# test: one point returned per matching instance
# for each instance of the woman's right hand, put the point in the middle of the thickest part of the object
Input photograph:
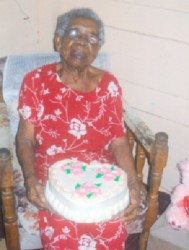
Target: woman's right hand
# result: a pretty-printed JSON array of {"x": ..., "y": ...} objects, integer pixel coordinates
[{"x": 35, "y": 192}]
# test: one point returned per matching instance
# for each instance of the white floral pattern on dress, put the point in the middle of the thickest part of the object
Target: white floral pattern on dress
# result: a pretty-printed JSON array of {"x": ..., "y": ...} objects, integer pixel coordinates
[
  {"x": 77, "y": 128},
  {"x": 40, "y": 110},
  {"x": 66, "y": 230},
  {"x": 113, "y": 89},
  {"x": 81, "y": 117},
  {"x": 25, "y": 112},
  {"x": 53, "y": 150},
  {"x": 86, "y": 243},
  {"x": 49, "y": 232}
]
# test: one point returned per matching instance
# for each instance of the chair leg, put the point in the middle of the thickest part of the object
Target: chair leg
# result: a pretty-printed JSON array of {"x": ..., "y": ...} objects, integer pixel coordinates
[
  {"x": 158, "y": 162},
  {"x": 2, "y": 230},
  {"x": 143, "y": 240},
  {"x": 8, "y": 202}
]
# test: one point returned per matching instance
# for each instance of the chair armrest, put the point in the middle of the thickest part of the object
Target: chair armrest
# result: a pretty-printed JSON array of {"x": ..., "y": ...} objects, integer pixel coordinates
[{"x": 137, "y": 126}]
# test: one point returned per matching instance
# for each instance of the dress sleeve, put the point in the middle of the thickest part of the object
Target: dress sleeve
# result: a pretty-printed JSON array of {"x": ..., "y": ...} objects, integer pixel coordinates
[
  {"x": 116, "y": 109},
  {"x": 28, "y": 102}
]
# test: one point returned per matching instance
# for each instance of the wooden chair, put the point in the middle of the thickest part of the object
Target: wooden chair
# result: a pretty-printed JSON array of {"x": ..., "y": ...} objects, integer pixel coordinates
[{"x": 150, "y": 152}]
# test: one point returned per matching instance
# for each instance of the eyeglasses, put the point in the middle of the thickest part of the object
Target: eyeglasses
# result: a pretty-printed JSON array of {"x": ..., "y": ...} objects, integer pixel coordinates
[{"x": 75, "y": 35}]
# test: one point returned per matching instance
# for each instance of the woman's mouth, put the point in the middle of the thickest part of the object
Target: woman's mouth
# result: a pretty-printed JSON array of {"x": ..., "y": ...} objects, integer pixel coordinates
[{"x": 78, "y": 54}]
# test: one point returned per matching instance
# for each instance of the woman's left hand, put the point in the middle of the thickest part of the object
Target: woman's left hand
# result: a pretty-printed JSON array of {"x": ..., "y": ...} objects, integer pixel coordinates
[{"x": 130, "y": 213}]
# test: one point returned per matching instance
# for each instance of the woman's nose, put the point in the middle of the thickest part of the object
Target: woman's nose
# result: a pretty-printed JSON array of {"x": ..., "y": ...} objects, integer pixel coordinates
[{"x": 83, "y": 39}]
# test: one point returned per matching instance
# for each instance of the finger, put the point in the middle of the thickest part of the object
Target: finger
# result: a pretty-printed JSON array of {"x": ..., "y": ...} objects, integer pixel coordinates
[
  {"x": 40, "y": 193},
  {"x": 34, "y": 199},
  {"x": 131, "y": 209},
  {"x": 129, "y": 214},
  {"x": 130, "y": 217},
  {"x": 41, "y": 200},
  {"x": 34, "y": 196}
]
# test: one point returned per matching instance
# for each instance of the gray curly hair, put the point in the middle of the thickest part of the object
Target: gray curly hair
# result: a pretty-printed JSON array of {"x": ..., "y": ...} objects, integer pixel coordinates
[{"x": 64, "y": 20}]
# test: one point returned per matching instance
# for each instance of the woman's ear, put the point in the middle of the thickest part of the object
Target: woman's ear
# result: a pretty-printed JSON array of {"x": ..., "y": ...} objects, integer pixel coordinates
[{"x": 57, "y": 43}]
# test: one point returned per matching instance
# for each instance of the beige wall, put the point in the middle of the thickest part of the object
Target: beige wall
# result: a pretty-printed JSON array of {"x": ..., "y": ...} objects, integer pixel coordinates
[{"x": 149, "y": 45}]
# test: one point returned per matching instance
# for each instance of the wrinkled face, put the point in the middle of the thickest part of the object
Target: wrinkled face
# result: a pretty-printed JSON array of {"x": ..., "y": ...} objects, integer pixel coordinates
[{"x": 80, "y": 44}]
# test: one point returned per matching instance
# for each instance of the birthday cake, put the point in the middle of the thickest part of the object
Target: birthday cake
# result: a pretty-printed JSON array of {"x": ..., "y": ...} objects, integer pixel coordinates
[{"x": 86, "y": 193}]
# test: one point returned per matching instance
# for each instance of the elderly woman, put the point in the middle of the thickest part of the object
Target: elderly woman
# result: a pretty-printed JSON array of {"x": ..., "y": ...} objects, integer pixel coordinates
[{"x": 71, "y": 109}]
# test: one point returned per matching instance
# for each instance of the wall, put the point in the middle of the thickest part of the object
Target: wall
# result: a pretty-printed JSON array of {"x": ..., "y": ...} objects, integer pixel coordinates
[{"x": 149, "y": 45}]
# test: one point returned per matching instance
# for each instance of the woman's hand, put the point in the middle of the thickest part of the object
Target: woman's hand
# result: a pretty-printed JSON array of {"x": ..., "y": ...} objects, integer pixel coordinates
[
  {"x": 35, "y": 193},
  {"x": 130, "y": 213}
]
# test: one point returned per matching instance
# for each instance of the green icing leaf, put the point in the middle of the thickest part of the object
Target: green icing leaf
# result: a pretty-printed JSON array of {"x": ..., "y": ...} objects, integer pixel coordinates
[
  {"x": 89, "y": 195},
  {"x": 112, "y": 168},
  {"x": 99, "y": 175},
  {"x": 77, "y": 186},
  {"x": 117, "y": 178},
  {"x": 98, "y": 184},
  {"x": 68, "y": 171},
  {"x": 84, "y": 168}
]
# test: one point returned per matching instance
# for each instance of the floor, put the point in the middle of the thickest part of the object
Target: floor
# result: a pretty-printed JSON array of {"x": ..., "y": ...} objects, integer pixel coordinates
[
  {"x": 2, "y": 245},
  {"x": 165, "y": 237}
]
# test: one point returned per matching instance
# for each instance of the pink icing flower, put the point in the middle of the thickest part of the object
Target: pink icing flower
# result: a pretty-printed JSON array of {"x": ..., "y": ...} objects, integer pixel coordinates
[
  {"x": 88, "y": 189},
  {"x": 63, "y": 168},
  {"x": 75, "y": 169},
  {"x": 109, "y": 174}
]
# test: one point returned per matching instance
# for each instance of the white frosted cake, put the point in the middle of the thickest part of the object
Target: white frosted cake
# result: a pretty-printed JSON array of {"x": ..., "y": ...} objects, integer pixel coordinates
[{"x": 86, "y": 193}]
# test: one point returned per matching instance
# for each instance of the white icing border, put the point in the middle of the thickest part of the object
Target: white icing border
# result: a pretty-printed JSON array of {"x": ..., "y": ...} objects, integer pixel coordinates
[{"x": 71, "y": 212}]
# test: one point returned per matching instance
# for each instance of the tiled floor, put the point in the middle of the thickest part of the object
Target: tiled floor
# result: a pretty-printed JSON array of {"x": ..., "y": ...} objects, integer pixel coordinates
[{"x": 2, "y": 245}]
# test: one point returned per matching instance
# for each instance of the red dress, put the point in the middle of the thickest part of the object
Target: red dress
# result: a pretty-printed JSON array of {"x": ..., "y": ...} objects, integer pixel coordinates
[{"x": 71, "y": 124}]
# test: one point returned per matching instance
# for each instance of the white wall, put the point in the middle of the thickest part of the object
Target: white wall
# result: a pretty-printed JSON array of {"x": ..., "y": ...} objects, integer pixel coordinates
[{"x": 149, "y": 44}]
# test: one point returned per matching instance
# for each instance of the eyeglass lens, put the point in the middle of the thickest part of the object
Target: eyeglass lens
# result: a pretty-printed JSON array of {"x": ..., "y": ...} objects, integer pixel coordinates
[{"x": 75, "y": 34}]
